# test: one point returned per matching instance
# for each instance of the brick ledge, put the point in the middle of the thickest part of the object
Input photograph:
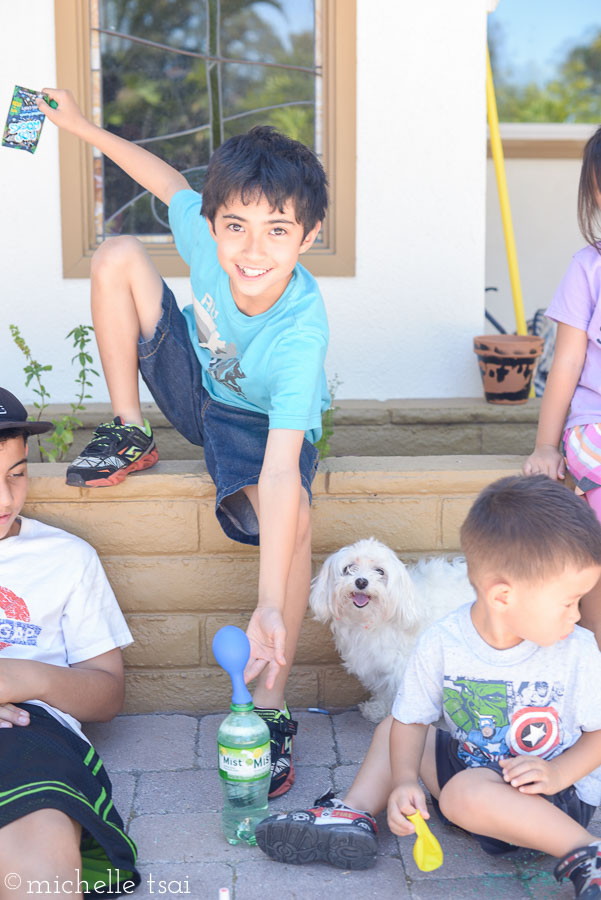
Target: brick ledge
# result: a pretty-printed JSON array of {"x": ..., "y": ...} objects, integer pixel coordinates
[{"x": 367, "y": 475}]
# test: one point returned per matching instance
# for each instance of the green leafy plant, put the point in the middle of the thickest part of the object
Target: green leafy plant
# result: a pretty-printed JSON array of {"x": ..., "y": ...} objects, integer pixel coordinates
[
  {"x": 60, "y": 439},
  {"x": 327, "y": 420}
]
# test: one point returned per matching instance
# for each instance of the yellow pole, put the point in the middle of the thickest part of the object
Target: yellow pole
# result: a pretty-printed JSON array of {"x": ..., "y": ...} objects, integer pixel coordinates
[{"x": 497, "y": 155}]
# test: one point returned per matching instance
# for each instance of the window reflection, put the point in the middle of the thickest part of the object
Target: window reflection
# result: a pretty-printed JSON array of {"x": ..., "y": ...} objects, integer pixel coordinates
[{"x": 153, "y": 84}]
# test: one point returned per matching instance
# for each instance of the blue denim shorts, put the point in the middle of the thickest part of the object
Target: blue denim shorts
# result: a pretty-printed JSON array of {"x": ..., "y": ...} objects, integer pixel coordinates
[
  {"x": 233, "y": 438},
  {"x": 448, "y": 764}
]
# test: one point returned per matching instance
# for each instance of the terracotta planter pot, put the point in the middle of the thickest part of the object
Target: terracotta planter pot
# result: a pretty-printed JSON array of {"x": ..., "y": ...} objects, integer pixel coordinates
[{"x": 507, "y": 363}]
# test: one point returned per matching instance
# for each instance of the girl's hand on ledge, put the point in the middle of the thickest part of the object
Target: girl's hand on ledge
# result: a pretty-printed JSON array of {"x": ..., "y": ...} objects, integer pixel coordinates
[{"x": 546, "y": 460}]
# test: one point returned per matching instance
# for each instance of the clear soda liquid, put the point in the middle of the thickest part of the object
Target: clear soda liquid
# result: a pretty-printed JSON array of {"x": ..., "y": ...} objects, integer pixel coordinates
[{"x": 245, "y": 772}]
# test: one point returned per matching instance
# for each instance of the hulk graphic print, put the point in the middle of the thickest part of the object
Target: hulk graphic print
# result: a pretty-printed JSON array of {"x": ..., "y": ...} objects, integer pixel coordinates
[{"x": 493, "y": 720}]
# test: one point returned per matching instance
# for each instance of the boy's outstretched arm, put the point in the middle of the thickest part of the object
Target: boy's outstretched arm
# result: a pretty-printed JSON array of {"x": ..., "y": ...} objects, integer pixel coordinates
[
  {"x": 148, "y": 170},
  {"x": 91, "y": 691},
  {"x": 279, "y": 493}
]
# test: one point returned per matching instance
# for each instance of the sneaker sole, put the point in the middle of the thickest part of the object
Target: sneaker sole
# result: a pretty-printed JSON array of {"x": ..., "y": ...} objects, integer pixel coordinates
[
  {"x": 343, "y": 846},
  {"x": 285, "y": 786},
  {"x": 144, "y": 462}
]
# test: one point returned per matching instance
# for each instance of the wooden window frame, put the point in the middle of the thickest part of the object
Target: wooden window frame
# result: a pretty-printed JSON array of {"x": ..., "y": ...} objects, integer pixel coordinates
[
  {"x": 339, "y": 99},
  {"x": 544, "y": 140}
]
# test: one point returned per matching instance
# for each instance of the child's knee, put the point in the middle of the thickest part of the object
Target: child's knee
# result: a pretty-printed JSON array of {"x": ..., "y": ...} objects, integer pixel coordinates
[
  {"x": 44, "y": 841},
  {"x": 114, "y": 254},
  {"x": 464, "y": 793}
]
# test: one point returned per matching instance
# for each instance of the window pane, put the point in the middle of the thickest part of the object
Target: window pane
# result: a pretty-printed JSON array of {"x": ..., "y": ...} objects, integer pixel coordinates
[
  {"x": 181, "y": 106},
  {"x": 546, "y": 60}
]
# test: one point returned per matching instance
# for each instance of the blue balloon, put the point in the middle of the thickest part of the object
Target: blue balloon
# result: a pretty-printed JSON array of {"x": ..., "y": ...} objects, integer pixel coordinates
[{"x": 231, "y": 649}]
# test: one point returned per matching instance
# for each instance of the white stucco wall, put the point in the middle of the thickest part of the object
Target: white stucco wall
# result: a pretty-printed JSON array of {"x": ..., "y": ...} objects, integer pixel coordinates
[
  {"x": 543, "y": 195},
  {"x": 403, "y": 326}
]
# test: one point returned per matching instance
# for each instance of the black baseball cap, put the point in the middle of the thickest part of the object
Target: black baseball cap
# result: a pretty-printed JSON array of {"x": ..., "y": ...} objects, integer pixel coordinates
[{"x": 14, "y": 415}]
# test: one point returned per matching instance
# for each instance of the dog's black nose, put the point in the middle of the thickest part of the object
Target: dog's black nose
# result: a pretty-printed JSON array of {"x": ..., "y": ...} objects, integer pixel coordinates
[{"x": 361, "y": 583}]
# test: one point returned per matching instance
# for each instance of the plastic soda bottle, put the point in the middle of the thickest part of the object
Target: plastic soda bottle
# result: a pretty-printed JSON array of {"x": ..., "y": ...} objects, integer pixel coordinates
[
  {"x": 243, "y": 745},
  {"x": 245, "y": 771}
]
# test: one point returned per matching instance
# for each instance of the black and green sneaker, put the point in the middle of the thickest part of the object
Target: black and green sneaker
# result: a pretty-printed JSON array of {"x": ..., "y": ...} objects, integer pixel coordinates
[
  {"x": 115, "y": 451},
  {"x": 281, "y": 731}
]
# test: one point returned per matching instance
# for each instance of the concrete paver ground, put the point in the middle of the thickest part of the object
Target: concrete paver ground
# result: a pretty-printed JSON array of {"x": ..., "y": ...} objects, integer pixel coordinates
[{"x": 163, "y": 768}]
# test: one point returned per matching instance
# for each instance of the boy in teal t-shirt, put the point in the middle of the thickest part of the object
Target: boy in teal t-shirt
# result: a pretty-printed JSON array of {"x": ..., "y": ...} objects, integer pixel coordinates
[{"x": 239, "y": 372}]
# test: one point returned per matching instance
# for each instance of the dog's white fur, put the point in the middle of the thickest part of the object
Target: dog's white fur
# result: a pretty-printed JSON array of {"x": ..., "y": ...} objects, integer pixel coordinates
[{"x": 397, "y": 603}]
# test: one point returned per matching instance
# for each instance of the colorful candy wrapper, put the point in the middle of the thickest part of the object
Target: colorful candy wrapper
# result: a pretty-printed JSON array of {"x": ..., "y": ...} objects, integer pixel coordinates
[{"x": 24, "y": 121}]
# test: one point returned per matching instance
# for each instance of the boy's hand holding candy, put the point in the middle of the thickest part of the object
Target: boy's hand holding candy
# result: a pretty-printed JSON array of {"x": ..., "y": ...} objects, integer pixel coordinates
[{"x": 67, "y": 113}]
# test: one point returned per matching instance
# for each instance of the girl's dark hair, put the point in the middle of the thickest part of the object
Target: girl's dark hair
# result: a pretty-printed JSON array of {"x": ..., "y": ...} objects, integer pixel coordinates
[
  {"x": 529, "y": 528},
  {"x": 589, "y": 214},
  {"x": 265, "y": 162}
]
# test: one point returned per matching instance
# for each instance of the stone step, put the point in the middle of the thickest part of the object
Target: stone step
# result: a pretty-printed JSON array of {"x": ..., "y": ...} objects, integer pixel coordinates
[{"x": 430, "y": 427}]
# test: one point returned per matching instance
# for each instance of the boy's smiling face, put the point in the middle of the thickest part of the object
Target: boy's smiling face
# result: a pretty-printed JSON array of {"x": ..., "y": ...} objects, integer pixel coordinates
[
  {"x": 258, "y": 247},
  {"x": 13, "y": 484}
]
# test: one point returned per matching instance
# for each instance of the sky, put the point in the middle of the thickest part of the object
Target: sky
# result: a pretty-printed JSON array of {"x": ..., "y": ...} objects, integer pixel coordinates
[
  {"x": 295, "y": 16},
  {"x": 538, "y": 33}
]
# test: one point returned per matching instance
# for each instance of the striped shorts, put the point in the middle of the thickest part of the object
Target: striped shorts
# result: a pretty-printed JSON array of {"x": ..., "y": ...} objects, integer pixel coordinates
[
  {"x": 582, "y": 450},
  {"x": 45, "y": 765}
]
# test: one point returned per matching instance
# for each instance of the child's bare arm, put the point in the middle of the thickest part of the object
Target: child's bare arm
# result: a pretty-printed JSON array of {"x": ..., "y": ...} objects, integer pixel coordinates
[
  {"x": 533, "y": 775},
  {"x": 279, "y": 502},
  {"x": 570, "y": 352},
  {"x": 406, "y": 751},
  {"x": 148, "y": 170},
  {"x": 91, "y": 691}
]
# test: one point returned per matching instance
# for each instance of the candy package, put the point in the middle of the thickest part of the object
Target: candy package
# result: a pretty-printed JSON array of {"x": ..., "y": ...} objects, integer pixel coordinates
[{"x": 24, "y": 121}]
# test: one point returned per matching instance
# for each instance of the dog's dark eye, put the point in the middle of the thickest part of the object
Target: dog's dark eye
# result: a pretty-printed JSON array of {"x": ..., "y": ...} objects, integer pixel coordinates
[
  {"x": 347, "y": 570},
  {"x": 379, "y": 571}
]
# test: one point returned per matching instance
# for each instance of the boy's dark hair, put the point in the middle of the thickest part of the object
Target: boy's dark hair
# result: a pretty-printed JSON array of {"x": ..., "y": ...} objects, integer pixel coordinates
[
  {"x": 8, "y": 433},
  {"x": 265, "y": 162},
  {"x": 589, "y": 214},
  {"x": 529, "y": 528}
]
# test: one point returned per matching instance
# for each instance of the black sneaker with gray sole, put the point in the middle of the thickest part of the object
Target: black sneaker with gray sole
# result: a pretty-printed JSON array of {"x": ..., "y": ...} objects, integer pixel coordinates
[{"x": 329, "y": 832}]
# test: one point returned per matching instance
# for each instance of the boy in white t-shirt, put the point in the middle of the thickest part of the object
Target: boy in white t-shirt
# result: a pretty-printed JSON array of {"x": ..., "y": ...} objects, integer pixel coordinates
[
  {"x": 519, "y": 686},
  {"x": 61, "y": 631}
]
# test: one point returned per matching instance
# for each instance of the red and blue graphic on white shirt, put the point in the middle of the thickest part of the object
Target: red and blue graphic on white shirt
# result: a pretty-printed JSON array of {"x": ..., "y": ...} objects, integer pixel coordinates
[{"x": 15, "y": 627}]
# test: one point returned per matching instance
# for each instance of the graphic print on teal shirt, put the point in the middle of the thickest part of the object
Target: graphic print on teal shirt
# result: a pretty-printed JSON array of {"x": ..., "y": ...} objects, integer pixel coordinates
[
  {"x": 224, "y": 365},
  {"x": 494, "y": 721}
]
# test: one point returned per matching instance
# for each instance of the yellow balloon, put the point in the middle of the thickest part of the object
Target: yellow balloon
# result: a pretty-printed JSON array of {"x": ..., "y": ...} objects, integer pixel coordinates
[{"x": 427, "y": 852}]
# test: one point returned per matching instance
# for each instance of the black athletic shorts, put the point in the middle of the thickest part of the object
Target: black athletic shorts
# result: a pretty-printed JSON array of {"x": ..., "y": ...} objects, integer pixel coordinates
[
  {"x": 449, "y": 764},
  {"x": 45, "y": 765}
]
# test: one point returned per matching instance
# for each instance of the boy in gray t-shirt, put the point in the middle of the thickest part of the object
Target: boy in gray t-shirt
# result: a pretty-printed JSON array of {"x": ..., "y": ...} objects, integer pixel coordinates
[{"x": 519, "y": 687}]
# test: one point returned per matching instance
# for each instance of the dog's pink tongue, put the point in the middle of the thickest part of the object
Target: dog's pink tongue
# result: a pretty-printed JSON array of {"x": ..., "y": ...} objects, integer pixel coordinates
[{"x": 360, "y": 600}]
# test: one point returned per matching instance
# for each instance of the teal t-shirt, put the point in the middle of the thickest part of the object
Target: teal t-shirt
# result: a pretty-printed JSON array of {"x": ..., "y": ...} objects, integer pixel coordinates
[{"x": 271, "y": 363}]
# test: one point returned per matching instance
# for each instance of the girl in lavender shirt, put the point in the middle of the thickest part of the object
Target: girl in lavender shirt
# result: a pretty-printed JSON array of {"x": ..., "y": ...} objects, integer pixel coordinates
[{"x": 569, "y": 427}]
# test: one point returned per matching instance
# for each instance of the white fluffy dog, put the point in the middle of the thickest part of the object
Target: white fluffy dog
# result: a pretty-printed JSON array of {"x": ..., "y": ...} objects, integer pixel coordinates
[{"x": 377, "y": 607}]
